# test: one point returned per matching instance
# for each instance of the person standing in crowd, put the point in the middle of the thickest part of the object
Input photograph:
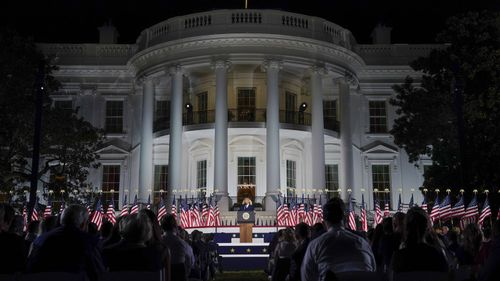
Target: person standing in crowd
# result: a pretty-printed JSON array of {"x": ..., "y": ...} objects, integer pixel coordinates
[
  {"x": 13, "y": 252},
  {"x": 302, "y": 234},
  {"x": 182, "y": 258},
  {"x": 283, "y": 255},
  {"x": 416, "y": 254},
  {"x": 491, "y": 269},
  {"x": 133, "y": 253},
  {"x": 71, "y": 241},
  {"x": 337, "y": 250}
]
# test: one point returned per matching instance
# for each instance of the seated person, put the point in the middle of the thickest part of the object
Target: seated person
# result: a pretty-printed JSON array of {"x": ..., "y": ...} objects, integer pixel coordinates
[
  {"x": 246, "y": 205},
  {"x": 132, "y": 253},
  {"x": 71, "y": 241}
]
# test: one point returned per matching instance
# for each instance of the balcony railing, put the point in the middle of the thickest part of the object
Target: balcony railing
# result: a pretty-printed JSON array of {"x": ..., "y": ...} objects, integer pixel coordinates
[
  {"x": 295, "y": 117},
  {"x": 245, "y": 115},
  {"x": 245, "y": 21}
]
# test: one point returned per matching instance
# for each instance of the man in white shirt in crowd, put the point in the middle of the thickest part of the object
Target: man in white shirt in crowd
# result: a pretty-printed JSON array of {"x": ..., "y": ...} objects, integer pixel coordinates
[{"x": 337, "y": 250}]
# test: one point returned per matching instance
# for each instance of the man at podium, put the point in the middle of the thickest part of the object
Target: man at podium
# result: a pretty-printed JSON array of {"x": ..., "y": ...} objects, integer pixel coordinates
[{"x": 246, "y": 205}]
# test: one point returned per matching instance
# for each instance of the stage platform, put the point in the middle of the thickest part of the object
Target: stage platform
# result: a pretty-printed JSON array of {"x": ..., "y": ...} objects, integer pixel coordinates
[{"x": 241, "y": 256}]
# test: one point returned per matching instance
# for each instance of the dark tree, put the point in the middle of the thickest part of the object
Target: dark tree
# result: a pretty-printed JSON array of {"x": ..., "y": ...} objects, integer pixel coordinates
[
  {"x": 453, "y": 115},
  {"x": 68, "y": 143}
]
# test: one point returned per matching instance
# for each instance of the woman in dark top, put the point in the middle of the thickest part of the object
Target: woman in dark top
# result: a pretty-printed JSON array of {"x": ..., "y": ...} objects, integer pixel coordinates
[
  {"x": 132, "y": 252},
  {"x": 417, "y": 255}
]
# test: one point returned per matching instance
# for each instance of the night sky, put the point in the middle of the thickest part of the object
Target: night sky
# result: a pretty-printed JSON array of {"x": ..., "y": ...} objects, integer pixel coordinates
[{"x": 76, "y": 21}]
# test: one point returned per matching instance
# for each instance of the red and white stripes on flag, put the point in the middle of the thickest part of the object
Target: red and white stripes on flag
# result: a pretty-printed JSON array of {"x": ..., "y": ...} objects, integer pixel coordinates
[
  {"x": 211, "y": 215},
  {"x": 445, "y": 208},
  {"x": 378, "y": 214},
  {"x": 204, "y": 214},
  {"x": 97, "y": 215},
  {"x": 110, "y": 213},
  {"x": 135, "y": 207},
  {"x": 435, "y": 215},
  {"x": 173, "y": 210},
  {"x": 471, "y": 213},
  {"x": 280, "y": 214},
  {"x": 351, "y": 216},
  {"x": 364, "y": 220},
  {"x": 458, "y": 209},
  {"x": 485, "y": 212},
  {"x": 387, "y": 212},
  {"x": 218, "y": 221},
  {"x": 124, "y": 210},
  {"x": 162, "y": 210},
  {"x": 34, "y": 213},
  {"x": 48, "y": 210}
]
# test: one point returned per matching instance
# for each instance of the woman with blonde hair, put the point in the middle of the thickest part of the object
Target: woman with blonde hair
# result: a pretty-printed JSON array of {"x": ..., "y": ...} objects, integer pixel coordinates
[{"x": 283, "y": 254}]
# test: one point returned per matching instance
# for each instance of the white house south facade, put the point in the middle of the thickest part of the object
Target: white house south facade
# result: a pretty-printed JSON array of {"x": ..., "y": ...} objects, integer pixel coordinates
[{"x": 243, "y": 103}]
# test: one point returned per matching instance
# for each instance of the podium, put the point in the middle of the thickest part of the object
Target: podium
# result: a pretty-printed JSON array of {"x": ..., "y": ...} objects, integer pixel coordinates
[{"x": 246, "y": 220}]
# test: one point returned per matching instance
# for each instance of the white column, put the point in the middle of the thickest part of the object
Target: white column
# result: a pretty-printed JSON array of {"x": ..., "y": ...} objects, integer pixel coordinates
[
  {"x": 317, "y": 131},
  {"x": 146, "y": 148},
  {"x": 220, "y": 164},
  {"x": 272, "y": 134},
  {"x": 175, "y": 144},
  {"x": 346, "y": 157}
]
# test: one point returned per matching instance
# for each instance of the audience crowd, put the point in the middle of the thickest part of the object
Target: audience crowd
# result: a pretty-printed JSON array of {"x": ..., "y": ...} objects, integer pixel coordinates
[{"x": 400, "y": 244}]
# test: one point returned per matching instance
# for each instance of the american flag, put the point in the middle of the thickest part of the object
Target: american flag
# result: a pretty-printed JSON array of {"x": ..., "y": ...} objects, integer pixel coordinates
[
  {"x": 124, "y": 210},
  {"x": 97, "y": 215},
  {"x": 218, "y": 221},
  {"x": 378, "y": 213},
  {"x": 204, "y": 214},
  {"x": 364, "y": 220},
  {"x": 110, "y": 212},
  {"x": 48, "y": 210},
  {"x": 62, "y": 207},
  {"x": 135, "y": 207},
  {"x": 411, "y": 202},
  {"x": 352, "y": 216},
  {"x": 185, "y": 214},
  {"x": 400, "y": 205},
  {"x": 195, "y": 215},
  {"x": 318, "y": 212},
  {"x": 292, "y": 217},
  {"x": 162, "y": 210},
  {"x": 302, "y": 210},
  {"x": 386, "y": 209},
  {"x": 424, "y": 205},
  {"x": 34, "y": 213},
  {"x": 173, "y": 211},
  {"x": 280, "y": 213},
  {"x": 458, "y": 209},
  {"x": 471, "y": 213},
  {"x": 435, "y": 210},
  {"x": 308, "y": 216},
  {"x": 148, "y": 206},
  {"x": 211, "y": 214},
  {"x": 485, "y": 212},
  {"x": 89, "y": 209},
  {"x": 445, "y": 208}
]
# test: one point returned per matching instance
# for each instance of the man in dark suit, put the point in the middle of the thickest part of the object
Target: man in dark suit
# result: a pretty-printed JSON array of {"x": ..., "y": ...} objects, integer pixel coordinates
[
  {"x": 246, "y": 205},
  {"x": 68, "y": 248}
]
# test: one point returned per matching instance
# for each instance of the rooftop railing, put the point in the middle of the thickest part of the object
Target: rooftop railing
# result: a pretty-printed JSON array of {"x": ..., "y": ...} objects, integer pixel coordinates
[{"x": 245, "y": 21}]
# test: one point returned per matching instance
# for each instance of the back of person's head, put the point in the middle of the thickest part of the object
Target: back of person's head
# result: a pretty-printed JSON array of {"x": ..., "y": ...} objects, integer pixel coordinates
[
  {"x": 333, "y": 211},
  {"x": 33, "y": 227},
  {"x": 169, "y": 223},
  {"x": 17, "y": 225},
  {"x": 136, "y": 229},
  {"x": 317, "y": 229},
  {"x": 302, "y": 231},
  {"x": 153, "y": 220},
  {"x": 92, "y": 228},
  {"x": 487, "y": 233},
  {"x": 196, "y": 235},
  {"x": 106, "y": 229},
  {"x": 387, "y": 225},
  {"x": 416, "y": 225},
  {"x": 472, "y": 238},
  {"x": 75, "y": 215},
  {"x": 48, "y": 224},
  {"x": 398, "y": 222},
  {"x": 288, "y": 235}
]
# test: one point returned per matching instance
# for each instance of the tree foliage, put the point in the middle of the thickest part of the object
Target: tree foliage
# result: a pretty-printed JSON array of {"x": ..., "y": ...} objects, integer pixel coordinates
[
  {"x": 68, "y": 143},
  {"x": 453, "y": 115}
]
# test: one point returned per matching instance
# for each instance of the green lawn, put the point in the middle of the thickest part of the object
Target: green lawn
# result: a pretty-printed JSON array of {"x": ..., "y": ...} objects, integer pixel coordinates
[{"x": 257, "y": 275}]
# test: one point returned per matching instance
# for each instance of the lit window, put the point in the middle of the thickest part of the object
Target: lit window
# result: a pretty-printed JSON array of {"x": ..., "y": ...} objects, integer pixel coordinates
[
  {"x": 201, "y": 178},
  {"x": 291, "y": 178},
  {"x": 160, "y": 182},
  {"x": 111, "y": 182},
  {"x": 332, "y": 180},
  {"x": 381, "y": 183}
]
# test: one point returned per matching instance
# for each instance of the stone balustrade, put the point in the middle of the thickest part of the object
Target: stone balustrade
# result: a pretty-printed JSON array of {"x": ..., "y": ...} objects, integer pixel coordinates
[{"x": 244, "y": 21}]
